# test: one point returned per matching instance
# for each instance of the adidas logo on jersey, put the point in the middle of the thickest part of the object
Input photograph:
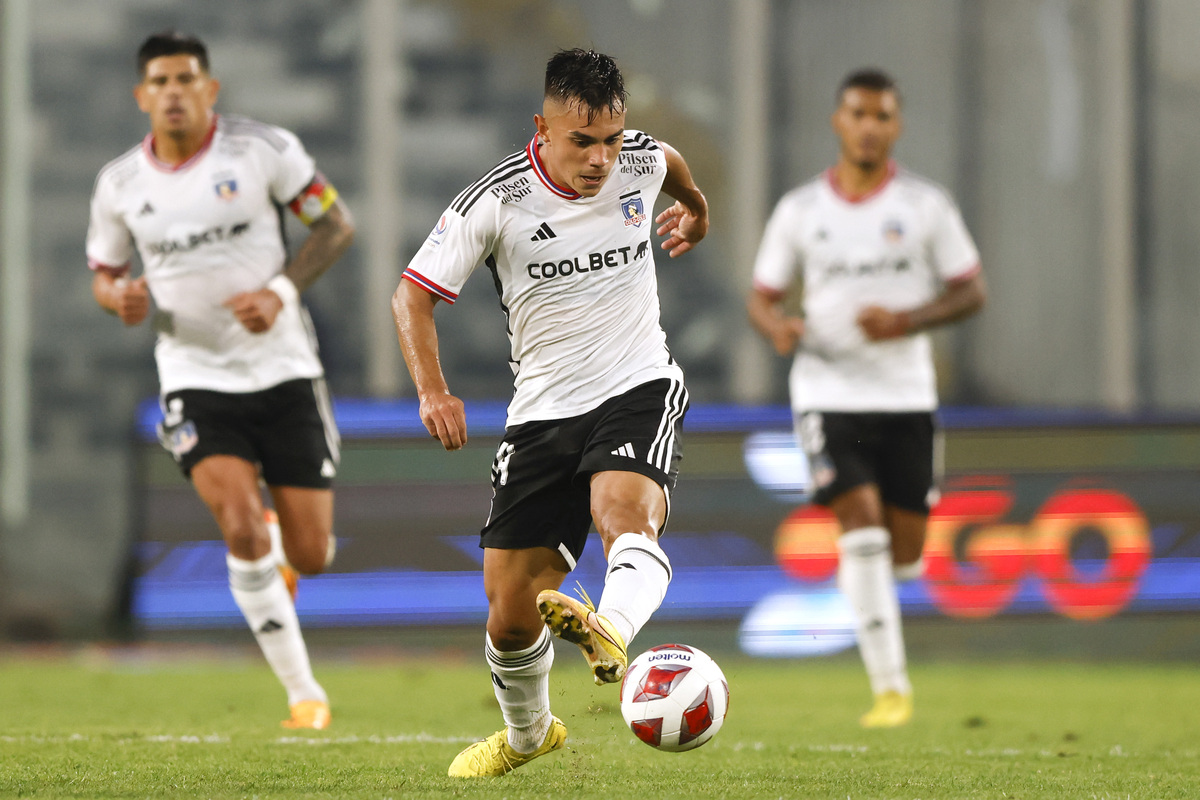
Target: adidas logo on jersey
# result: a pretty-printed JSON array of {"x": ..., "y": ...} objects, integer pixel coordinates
[
  {"x": 146, "y": 209},
  {"x": 625, "y": 450},
  {"x": 543, "y": 232}
]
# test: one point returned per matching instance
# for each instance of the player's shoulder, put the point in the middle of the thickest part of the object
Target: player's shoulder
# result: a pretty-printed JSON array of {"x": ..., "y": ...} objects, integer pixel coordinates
[
  {"x": 255, "y": 133},
  {"x": 917, "y": 187},
  {"x": 120, "y": 170},
  {"x": 641, "y": 155},
  {"x": 635, "y": 141},
  {"x": 510, "y": 180},
  {"x": 803, "y": 197}
]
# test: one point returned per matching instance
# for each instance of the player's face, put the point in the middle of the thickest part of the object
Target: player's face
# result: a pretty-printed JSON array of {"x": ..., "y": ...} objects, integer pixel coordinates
[
  {"x": 868, "y": 124},
  {"x": 577, "y": 153},
  {"x": 178, "y": 95}
]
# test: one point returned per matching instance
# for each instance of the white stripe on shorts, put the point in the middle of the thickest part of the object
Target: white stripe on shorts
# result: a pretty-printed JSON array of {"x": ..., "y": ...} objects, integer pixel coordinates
[
  {"x": 333, "y": 440},
  {"x": 566, "y": 553},
  {"x": 663, "y": 446}
]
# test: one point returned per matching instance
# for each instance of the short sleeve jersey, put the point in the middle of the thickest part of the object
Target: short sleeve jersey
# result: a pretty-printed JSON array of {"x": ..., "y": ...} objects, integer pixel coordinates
[
  {"x": 206, "y": 230},
  {"x": 575, "y": 276},
  {"x": 894, "y": 248}
]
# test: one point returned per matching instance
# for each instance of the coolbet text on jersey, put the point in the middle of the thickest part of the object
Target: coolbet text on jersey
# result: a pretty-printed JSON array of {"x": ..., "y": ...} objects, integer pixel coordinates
[{"x": 586, "y": 264}]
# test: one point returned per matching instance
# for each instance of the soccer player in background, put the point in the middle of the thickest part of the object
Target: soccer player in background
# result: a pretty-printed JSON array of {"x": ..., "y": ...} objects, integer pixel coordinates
[
  {"x": 242, "y": 387},
  {"x": 593, "y": 427},
  {"x": 882, "y": 256}
]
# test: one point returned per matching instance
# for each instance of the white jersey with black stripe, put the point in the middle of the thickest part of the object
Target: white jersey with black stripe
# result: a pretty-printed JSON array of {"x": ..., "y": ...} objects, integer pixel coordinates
[
  {"x": 204, "y": 231},
  {"x": 895, "y": 248},
  {"x": 575, "y": 276}
]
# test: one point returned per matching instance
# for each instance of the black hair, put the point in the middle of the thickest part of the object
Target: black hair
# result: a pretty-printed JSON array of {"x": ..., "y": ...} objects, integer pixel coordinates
[
  {"x": 170, "y": 43},
  {"x": 872, "y": 79},
  {"x": 588, "y": 78}
]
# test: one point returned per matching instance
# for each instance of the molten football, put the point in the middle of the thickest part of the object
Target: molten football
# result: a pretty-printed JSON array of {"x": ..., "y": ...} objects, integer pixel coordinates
[{"x": 674, "y": 697}]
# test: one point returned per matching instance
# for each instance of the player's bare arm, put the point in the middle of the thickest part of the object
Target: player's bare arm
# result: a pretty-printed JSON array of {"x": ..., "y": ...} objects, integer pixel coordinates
[
  {"x": 329, "y": 237},
  {"x": 441, "y": 412},
  {"x": 127, "y": 299},
  {"x": 765, "y": 309},
  {"x": 686, "y": 222},
  {"x": 959, "y": 300}
]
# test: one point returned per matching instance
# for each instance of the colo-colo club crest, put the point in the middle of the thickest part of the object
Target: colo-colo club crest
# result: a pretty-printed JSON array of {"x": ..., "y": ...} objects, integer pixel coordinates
[{"x": 634, "y": 211}]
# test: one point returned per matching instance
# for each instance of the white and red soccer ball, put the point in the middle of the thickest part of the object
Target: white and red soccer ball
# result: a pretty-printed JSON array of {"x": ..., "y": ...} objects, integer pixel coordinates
[{"x": 674, "y": 697}]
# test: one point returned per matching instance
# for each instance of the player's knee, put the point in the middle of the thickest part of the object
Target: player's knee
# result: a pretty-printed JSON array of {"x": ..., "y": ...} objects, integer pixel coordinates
[
  {"x": 857, "y": 516},
  {"x": 306, "y": 564},
  {"x": 905, "y": 552},
  {"x": 240, "y": 527},
  {"x": 615, "y": 516},
  {"x": 309, "y": 554},
  {"x": 510, "y": 633},
  {"x": 614, "y": 525}
]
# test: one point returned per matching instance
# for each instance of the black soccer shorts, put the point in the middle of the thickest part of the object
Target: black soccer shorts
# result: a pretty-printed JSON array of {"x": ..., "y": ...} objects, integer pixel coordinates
[
  {"x": 894, "y": 451},
  {"x": 287, "y": 430},
  {"x": 542, "y": 471}
]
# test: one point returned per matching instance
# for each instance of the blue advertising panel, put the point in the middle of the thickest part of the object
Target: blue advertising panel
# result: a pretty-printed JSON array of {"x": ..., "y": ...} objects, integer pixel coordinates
[{"x": 1078, "y": 515}]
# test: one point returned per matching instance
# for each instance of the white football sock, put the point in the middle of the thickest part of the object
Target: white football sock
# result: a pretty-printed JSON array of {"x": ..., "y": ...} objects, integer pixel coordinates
[
  {"x": 260, "y": 593},
  {"x": 865, "y": 578},
  {"x": 909, "y": 572},
  {"x": 276, "y": 534},
  {"x": 635, "y": 584},
  {"x": 521, "y": 681}
]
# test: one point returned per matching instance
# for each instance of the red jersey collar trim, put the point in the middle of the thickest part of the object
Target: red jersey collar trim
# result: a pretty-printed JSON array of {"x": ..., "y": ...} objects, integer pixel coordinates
[
  {"x": 159, "y": 164},
  {"x": 831, "y": 178},
  {"x": 539, "y": 169}
]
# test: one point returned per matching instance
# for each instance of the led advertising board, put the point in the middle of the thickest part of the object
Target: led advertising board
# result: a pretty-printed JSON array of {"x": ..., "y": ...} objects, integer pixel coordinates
[{"x": 1079, "y": 516}]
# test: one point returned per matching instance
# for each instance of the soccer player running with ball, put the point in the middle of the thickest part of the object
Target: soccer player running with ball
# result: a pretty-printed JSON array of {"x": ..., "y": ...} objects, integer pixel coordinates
[
  {"x": 242, "y": 388},
  {"x": 593, "y": 427},
  {"x": 882, "y": 256}
]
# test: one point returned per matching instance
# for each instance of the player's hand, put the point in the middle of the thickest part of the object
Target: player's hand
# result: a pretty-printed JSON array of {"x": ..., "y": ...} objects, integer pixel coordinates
[
  {"x": 131, "y": 300},
  {"x": 785, "y": 337},
  {"x": 683, "y": 227},
  {"x": 255, "y": 310},
  {"x": 445, "y": 419},
  {"x": 879, "y": 324}
]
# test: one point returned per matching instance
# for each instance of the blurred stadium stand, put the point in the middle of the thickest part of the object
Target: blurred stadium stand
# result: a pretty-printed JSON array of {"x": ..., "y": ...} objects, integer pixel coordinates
[{"x": 1062, "y": 126}]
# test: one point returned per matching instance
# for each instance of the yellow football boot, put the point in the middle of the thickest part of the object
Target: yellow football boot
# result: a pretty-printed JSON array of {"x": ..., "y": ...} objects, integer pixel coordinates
[
  {"x": 494, "y": 756},
  {"x": 578, "y": 623},
  {"x": 891, "y": 710},
  {"x": 312, "y": 714}
]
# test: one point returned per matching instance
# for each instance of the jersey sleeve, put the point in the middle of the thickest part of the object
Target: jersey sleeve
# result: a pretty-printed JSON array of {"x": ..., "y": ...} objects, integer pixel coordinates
[
  {"x": 778, "y": 259},
  {"x": 953, "y": 251},
  {"x": 293, "y": 177},
  {"x": 454, "y": 248},
  {"x": 109, "y": 243}
]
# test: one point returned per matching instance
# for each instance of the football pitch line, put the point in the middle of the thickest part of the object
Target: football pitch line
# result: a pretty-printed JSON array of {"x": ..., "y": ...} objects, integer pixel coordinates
[
  {"x": 1115, "y": 752},
  {"x": 215, "y": 738}
]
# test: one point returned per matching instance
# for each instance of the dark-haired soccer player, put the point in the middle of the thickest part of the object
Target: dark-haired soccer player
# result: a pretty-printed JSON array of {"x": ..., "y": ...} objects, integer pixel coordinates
[
  {"x": 883, "y": 256},
  {"x": 593, "y": 427},
  {"x": 242, "y": 388}
]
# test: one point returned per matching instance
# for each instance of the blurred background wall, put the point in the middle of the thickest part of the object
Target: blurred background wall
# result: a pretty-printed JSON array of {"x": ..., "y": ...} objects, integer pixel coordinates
[{"x": 1063, "y": 127}]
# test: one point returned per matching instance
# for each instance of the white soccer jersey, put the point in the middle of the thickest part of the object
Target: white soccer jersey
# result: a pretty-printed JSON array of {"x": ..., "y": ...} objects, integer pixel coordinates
[
  {"x": 575, "y": 276},
  {"x": 206, "y": 230},
  {"x": 894, "y": 248}
]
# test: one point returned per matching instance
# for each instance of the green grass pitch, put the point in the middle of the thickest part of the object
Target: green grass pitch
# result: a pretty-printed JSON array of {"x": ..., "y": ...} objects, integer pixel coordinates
[{"x": 107, "y": 723}]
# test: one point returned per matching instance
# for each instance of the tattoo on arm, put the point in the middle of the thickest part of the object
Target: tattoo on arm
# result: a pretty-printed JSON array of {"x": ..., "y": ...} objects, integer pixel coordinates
[{"x": 329, "y": 237}]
